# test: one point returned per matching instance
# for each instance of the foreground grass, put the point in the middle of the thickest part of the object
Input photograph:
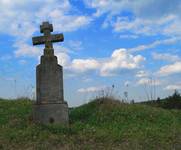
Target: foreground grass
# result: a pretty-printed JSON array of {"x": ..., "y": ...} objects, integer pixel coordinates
[{"x": 100, "y": 124}]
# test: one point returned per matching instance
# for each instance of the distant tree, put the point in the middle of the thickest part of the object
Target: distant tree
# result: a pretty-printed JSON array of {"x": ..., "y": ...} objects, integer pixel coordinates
[
  {"x": 158, "y": 99},
  {"x": 173, "y": 101},
  {"x": 170, "y": 102},
  {"x": 176, "y": 94},
  {"x": 132, "y": 101}
]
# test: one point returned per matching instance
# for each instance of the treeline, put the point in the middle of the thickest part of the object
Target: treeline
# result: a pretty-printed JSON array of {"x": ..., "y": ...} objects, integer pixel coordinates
[{"x": 170, "y": 102}]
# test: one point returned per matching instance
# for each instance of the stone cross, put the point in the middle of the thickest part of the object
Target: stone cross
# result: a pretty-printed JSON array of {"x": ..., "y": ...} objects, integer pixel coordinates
[
  {"x": 50, "y": 106},
  {"x": 47, "y": 39}
]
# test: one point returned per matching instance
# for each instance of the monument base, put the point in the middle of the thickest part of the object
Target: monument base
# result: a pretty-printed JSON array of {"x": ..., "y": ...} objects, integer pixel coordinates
[{"x": 51, "y": 113}]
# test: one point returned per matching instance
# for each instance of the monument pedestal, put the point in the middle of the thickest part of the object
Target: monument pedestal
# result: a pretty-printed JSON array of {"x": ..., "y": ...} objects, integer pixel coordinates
[{"x": 53, "y": 113}]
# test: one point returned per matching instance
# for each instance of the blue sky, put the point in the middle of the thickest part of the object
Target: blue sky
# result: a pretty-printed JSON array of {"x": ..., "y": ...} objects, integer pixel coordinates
[{"x": 133, "y": 45}]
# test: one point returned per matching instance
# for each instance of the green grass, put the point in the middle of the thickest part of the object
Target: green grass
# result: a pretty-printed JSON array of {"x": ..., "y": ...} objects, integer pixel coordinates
[{"x": 100, "y": 124}]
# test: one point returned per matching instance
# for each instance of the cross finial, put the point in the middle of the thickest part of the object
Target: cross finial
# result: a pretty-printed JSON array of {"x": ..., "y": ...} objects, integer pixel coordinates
[
  {"x": 47, "y": 39},
  {"x": 46, "y": 26}
]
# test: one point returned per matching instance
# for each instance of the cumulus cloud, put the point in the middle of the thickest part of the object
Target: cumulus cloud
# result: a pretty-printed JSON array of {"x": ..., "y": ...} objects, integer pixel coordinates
[
  {"x": 147, "y": 17},
  {"x": 68, "y": 22},
  {"x": 21, "y": 19},
  {"x": 170, "y": 69},
  {"x": 91, "y": 89},
  {"x": 120, "y": 59},
  {"x": 83, "y": 65},
  {"x": 173, "y": 87},
  {"x": 165, "y": 56}
]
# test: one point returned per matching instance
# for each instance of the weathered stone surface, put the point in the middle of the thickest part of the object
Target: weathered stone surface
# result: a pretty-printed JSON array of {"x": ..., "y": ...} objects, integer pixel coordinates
[
  {"x": 42, "y": 39},
  {"x": 50, "y": 106},
  {"x": 49, "y": 81},
  {"x": 56, "y": 113}
]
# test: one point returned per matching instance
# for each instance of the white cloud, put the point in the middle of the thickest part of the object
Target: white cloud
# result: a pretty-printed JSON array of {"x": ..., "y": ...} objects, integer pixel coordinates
[
  {"x": 141, "y": 74},
  {"x": 170, "y": 69},
  {"x": 149, "y": 8},
  {"x": 168, "y": 25},
  {"x": 120, "y": 59},
  {"x": 104, "y": 6},
  {"x": 147, "y": 17},
  {"x": 173, "y": 87},
  {"x": 154, "y": 44},
  {"x": 165, "y": 56},
  {"x": 91, "y": 89},
  {"x": 21, "y": 19},
  {"x": 148, "y": 81},
  {"x": 24, "y": 49},
  {"x": 173, "y": 28},
  {"x": 83, "y": 65},
  {"x": 142, "y": 26},
  {"x": 16, "y": 15},
  {"x": 68, "y": 22},
  {"x": 63, "y": 59}
]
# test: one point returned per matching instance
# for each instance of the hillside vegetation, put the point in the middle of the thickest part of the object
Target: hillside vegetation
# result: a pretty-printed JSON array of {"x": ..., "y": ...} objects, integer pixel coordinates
[
  {"x": 100, "y": 124},
  {"x": 170, "y": 102}
]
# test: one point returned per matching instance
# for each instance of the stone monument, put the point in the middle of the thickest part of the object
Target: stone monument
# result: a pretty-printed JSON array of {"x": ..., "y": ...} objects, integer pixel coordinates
[{"x": 50, "y": 106}]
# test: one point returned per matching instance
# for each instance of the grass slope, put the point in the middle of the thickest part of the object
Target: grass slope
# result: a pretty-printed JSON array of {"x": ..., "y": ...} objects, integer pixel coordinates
[{"x": 100, "y": 124}]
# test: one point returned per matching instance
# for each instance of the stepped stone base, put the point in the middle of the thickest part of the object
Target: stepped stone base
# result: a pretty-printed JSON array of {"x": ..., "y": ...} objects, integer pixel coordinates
[{"x": 51, "y": 113}]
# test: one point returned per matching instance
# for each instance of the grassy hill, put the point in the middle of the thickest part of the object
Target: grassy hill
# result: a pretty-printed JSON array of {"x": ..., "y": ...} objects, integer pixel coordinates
[{"x": 100, "y": 124}]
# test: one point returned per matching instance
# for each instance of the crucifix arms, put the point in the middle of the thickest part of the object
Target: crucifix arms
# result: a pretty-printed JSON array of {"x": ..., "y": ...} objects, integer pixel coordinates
[
  {"x": 48, "y": 39},
  {"x": 43, "y": 39}
]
